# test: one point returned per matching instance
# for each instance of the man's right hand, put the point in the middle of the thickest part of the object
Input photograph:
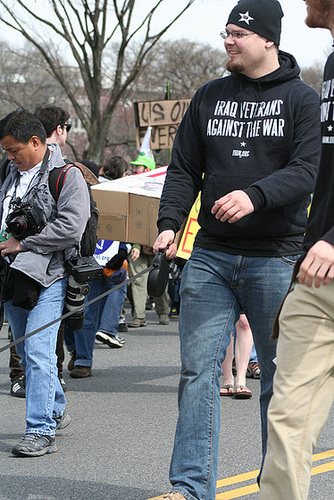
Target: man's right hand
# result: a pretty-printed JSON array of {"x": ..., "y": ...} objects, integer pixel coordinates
[
  {"x": 10, "y": 246},
  {"x": 318, "y": 265},
  {"x": 166, "y": 238}
]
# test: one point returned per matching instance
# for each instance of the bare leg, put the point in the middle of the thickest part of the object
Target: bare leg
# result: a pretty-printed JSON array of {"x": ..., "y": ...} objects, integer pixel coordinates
[
  {"x": 243, "y": 348},
  {"x": 228, "y": 378}
]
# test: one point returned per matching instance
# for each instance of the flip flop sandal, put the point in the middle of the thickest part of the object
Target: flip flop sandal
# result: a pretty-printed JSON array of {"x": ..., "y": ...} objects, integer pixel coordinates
[
  {"x": 242, "y": 393},
  {"x": 227, "y": 388}
]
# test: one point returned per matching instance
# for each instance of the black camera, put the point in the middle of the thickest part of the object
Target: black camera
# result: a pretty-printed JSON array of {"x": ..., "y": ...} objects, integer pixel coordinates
[
  {"x": 24, "y": 219},
  {"x": 84, "y": 269},
  {"x": 81, "y": 270},
  {"x": 75, "y": 297}
]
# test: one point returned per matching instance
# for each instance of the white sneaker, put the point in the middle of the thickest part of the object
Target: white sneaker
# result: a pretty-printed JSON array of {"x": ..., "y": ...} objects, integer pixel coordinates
[{"x": 111, "y": 340}]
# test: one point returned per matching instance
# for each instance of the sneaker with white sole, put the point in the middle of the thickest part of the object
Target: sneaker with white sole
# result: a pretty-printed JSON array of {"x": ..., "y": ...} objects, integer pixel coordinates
[
  {"x": 18, "y": 387},
  {"x": 62, "y": 421},
  {"x": 137, "y": 322},
  {"x": 163, "y": 319},
  {"x": 35, "y": 445},
  {"x": 253, "y": 370},
  {"x": 113, "y": 341}
]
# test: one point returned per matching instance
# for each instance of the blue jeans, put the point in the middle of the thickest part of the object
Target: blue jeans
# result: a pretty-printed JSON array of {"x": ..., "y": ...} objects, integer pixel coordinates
[
  {"x": 215, "y": 288},
  {"x": 102, "y": 315},
  {"x": 45, "y": 398},
  {"x": 253, "y": 356}
]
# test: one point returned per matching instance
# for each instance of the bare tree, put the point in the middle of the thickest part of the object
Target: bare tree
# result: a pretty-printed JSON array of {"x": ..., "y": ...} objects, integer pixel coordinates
[
  {"x": 87, "y": 28},
  {"x": 25, "y": 80},
  {"x": 185, "y": 65},
  {"x": 313, "y": 76}
]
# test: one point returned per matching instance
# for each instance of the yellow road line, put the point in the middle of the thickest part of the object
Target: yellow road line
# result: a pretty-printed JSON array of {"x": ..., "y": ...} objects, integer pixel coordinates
[
  {"x": 320, "y": 469},
  {"x": 240, "y": 478},
  {"x": 237, "y": 493},
  {"x": 254, "y": 473},
  {"x": 324, "y": 454},
  {"x": 253, "y": 488}
]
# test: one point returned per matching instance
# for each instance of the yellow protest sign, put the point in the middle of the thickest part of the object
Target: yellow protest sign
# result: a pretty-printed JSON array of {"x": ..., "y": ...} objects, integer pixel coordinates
[{"x": 190, "y": 230}]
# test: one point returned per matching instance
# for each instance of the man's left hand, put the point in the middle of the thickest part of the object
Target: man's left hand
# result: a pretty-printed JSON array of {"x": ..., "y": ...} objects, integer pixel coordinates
[
  {"x": 232, "y": 207},
  {"x": 10, "y": 246},
  {"x": 318, "y": 264}
]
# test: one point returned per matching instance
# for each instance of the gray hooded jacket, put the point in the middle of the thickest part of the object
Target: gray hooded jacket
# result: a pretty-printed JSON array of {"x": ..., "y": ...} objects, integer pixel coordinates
[{"x": 44, "y": 254}]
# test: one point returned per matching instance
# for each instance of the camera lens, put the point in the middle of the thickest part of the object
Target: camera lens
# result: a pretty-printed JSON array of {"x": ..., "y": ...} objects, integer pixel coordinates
[
  {"x": 17, "y": 226},
  {"x": 75, "y": 297}
]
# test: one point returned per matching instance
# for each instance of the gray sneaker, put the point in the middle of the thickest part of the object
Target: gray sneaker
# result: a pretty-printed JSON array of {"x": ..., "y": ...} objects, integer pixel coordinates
[
  {"x": 253, "y": 370},
  {"x": 63, "y": 420},
  {"x": 35, "y": 445},
  {"x": 137, "y": 322},
  {"x": 163, "y": 319}
]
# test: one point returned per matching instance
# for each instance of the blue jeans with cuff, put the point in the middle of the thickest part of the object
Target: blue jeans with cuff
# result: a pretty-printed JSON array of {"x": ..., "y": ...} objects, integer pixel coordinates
[
  {"x": 102, "y": 315},
  {"x": 215, "y": 288},
  {"x": 45, "y": 398}
]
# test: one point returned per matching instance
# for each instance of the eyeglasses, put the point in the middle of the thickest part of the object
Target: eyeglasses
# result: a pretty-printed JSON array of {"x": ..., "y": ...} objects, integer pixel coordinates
[
  {"x": 67, "y": 126},
  {"x": 234, "y": 34}
]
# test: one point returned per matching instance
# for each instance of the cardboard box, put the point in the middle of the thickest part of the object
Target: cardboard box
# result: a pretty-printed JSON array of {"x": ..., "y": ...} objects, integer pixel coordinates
[
  {"x": 129, "y": 207},
  {"x": 112, "y": 221},
  {"x": 108, "y": 226},
  {"x": 143, "y": 215}
]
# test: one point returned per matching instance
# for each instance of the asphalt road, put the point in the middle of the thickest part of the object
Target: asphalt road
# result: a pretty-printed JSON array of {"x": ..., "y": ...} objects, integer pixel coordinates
[{"x": 119, "y": 443}]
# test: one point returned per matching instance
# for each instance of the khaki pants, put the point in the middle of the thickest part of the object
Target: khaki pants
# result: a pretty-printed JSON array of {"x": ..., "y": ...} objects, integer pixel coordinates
[{"x": 303, "y": 391}]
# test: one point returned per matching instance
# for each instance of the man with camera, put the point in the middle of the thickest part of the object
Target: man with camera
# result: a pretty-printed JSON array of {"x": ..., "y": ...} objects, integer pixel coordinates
[
  {"x": 38, "y": 236},
  {"x": 55, "y": 121}
]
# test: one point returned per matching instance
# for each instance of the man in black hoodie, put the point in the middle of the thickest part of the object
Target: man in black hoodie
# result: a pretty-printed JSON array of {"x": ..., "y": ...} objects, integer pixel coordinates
[
  {"x": 304, "y": 381},
  {"x": 250, "y": 143}
]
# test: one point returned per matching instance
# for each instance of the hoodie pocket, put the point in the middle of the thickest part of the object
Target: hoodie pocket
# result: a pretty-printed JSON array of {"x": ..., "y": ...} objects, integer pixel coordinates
[{"x": 264, "y": 223}]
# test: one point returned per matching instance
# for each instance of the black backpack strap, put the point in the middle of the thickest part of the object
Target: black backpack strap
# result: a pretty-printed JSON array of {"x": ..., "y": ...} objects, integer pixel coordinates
[{"x": 57, "y": 178}]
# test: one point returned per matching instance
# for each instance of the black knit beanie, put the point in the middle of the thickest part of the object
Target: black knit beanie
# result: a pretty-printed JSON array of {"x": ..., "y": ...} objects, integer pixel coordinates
[{"x": 261, "y": 16}]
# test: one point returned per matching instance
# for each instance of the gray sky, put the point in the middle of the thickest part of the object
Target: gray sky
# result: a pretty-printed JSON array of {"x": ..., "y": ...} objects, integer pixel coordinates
[{"x": 206, "y": 18}]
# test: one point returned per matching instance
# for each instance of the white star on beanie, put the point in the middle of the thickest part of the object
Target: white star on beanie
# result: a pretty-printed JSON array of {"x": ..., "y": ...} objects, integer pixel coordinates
[{"x": 246, "y": 17}]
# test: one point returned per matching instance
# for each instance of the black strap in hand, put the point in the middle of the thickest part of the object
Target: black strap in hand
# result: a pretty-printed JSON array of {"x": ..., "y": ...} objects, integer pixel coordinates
[{"x": 158, "y": 276}]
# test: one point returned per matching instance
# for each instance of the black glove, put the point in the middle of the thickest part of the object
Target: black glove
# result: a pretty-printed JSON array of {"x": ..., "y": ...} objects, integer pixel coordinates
[{"x": 117, "y": 260}]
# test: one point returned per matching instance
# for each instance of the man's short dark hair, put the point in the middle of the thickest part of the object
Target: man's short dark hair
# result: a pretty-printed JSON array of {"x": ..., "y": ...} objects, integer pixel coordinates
[
  {"x": 51, "y": 116},
  {"x": 115, "y": 167},
  {"x": 22, "y": 125}
]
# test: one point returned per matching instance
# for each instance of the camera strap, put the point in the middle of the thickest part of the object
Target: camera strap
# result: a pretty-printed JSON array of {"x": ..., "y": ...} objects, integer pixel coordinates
[
  {"x": 39, "y": 173},
  {"x": 79, "y": 308}
]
